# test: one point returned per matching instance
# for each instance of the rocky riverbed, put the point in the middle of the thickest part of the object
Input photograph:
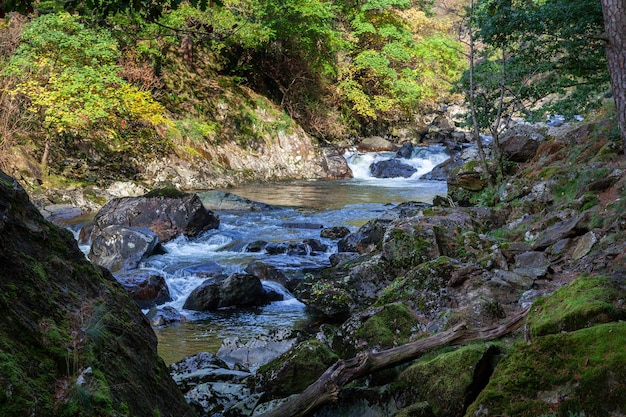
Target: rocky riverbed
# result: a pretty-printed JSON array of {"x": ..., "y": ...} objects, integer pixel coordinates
[{"x": 546, "y": 246}]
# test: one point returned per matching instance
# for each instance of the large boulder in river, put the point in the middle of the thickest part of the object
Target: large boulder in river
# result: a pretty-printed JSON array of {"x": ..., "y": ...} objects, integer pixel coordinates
[
  {"x": 147, "y": 288},
  {"x": 375, "y": 144},
  {"x": 121, "y": 248},
  {"x": 72, "y": 342},
  {"x": 168, "y": 213},
  {"x": 392, "y": 168},
  {"x": 236, "y": 290}
]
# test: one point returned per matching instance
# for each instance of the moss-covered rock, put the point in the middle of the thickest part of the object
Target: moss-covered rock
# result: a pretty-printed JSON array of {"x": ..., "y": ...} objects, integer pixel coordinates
[
  {"x": 577, "y": 373},
  {"x": 586, "y": 301},
  {"x": 296, "y": 369},
  {"x": 376, "y": 329},
  {"x": 422, "y": 288},
  {"x": 447, "y": 382},
  {"x": 72, "y": 343}
]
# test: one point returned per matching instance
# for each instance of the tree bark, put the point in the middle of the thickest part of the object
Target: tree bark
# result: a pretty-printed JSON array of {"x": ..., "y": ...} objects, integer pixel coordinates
[
  {"x": 614, "y": 12},
  {"x": 327, "y": 387}
]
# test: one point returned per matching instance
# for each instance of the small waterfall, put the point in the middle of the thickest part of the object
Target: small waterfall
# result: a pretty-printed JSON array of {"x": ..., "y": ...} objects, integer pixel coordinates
[{"x": 423, "y": 159}]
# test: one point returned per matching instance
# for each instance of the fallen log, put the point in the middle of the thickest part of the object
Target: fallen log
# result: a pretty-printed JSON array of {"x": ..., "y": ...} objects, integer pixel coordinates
[{"x": 326, "y": 388}]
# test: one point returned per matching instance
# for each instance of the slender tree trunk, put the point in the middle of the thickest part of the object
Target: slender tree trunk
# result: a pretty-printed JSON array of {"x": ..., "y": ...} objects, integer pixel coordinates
[
  {"x": 472, "y": 96},
  {"x": 44, "y": 161},
  {"x": 614, "y": 12}
]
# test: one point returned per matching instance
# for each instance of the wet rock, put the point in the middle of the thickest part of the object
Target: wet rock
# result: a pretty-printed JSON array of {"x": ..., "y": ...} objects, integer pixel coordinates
[
  {"x": 315, "y": 247},
  {"x": 405, "y": 151},
  {"x": 122, "y": 248},
  {"x": 441, "y": 171},
  {"x": 392, "y": 168},
  {"x": 256, "y": 246},
  {"x": 337, "y": 258},
  {"x": 214, "y": 398},
  {"x": 334, "y": 232},
  {"x": 167, "y": 213},
  {"x": 236, "y": 290},
  {"x": 147, "y": 288},
  {"x": 276, "y": 248},
  {"x": 204, "y": 367},
  {"x": 266, "y": 272},
  {"x": 164, "y": 316}
]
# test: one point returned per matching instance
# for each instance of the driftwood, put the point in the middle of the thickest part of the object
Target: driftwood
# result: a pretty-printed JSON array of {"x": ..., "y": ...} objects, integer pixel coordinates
[{"x": 326, "y": 388}]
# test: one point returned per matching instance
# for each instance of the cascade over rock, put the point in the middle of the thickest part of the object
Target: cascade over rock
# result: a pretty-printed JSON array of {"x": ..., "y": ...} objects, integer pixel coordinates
[{"x": 72, "y": 342}]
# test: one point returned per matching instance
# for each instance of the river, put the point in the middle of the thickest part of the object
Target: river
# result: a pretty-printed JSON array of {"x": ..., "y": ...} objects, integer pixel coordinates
[{"x": 349, "y": 203}]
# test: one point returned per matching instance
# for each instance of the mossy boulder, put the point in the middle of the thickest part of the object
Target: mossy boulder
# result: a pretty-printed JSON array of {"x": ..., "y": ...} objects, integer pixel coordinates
[
  {"x": 586, "y": 301},
  {"x": 423, "y": 288},
  {"x": 296, "y": 369},
  {"x": 577, "y": 373},
  {"x": 376, "y": 329},
  {"x": 447, "y": 382},
  {"x": 72, "y": 342}
]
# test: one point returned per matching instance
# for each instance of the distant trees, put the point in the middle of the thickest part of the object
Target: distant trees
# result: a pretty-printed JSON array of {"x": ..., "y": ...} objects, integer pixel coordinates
[{"x": 68, "y": 75}]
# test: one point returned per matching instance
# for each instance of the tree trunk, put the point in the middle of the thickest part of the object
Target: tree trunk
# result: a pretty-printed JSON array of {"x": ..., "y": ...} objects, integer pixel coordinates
[
  {"x": 614, "y": 12},
  {"x": 327, "y": 387}
]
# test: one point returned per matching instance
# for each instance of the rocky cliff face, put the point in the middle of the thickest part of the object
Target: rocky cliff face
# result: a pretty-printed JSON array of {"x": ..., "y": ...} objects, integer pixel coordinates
[{"x": 71, "y": 340}]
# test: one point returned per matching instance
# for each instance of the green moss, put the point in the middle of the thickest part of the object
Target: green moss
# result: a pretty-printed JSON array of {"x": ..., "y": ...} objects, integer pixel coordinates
[
  {"x": 166, "y": 192},
  {"x": 562, "y": 374},
  {"x": 421, "y": 286},
  {"x": 296, "y": 369},
  {"x": 393, "y": 325},
  {"x": 583, "y": 302},
  {"x": 445, "y": 381}
]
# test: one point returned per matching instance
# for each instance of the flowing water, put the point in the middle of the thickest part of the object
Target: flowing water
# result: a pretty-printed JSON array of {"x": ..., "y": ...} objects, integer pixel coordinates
[{"x": 349, "y": 203}]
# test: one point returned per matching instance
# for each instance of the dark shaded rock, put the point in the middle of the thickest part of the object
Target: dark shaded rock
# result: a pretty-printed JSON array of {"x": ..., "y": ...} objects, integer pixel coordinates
[
  {"x": 266, "y": 272},
  {"x": 336, "y": 258},
  {"x": 315, "y": 246},
  {"x": 147, "y": 288},
  {"x": 297, "y": 248},
  {"x": 256, "y": 246},
  {"x": 68, "y": 326},
  {"x": 366, "y": 239},
  {"x": 519, "y": 148},
  {"x": 236, "y": 290},
  {"x": 441, "y": 171},
  {"x": 164, "y": 316},
  {"x": 574, "y": 226},
  {"x": 201, "y": 368},
  {"x": 276, "y": 248},
  {"x": 392, "y": 168},
  {"x": 334, "y": 232},
  {"x": 122, "y": 248},
  {"x": 166, "y": 216},
  {"x": 406, "y": 151}
]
